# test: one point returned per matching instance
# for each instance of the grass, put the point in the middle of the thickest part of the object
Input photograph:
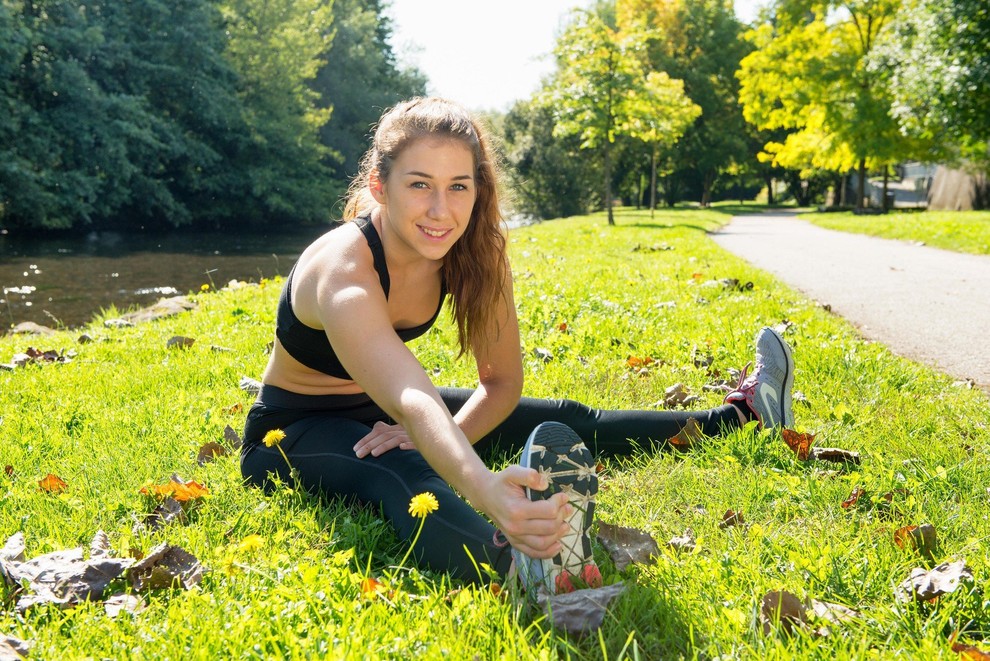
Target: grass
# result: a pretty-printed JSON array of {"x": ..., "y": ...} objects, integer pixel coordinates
[
  {"x": 285, "y": 571},
  {"x": 961, "y": 231}
]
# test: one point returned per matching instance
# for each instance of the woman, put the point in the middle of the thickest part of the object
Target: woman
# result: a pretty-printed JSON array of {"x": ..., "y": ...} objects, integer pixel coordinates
[{"x": 360, "y": 415}]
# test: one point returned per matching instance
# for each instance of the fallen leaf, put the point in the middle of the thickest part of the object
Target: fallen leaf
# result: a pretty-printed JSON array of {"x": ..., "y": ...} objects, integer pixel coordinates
[
  {"x": 64, "y": 578},
  {"x": 249, "y": 385},
  {"x": 639, "y": 362},
  {"x": 122, "y": 602},
  {"x": 9, "y": 470},
  {"x": 209, "y": 452},
  {"x": 834, "y": 613},
  {"x": 52, "y": 483},
  {"x": 853, "y": 498},
  {"x": 562, "y": 327},
  {"x": 835, "y": 455},
  {"x": 924, "y": 585},
  {"x": 782, "y": 609},
  {"x": 100, "y": 546},
  {"x": 543, "y": 354},
  {"x": 581, "y": 611},
  {"x": 731, "y": 518},
  {"x": 685, "y": 542},
  {"x": 689, "y": 434},
  {"x": 970, "y": 652},
  {"x": 166, "y": 566},
  {"x": 234, "y": 409},
  {"x": 13, "y": 649},
  {"x": 678, "y": 395},
  {"x": 371, "y": 588},
  {"x": 183, "y": 492},
  {"x": 627, "y": 545},
  {"x": 167, "y": 511},
  {"x": 921, "y": 538},
  {"x": 232, "y": 437},
  {"x": 799, "y": 443},
  {"x": 180, "y": 342},
  {"x": 14, "y": 548}
]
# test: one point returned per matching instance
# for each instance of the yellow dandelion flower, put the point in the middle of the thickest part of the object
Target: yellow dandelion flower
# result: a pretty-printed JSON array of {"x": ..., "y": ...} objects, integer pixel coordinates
[
  {"x": 204, "y": 287},
  {"x": 251, "y": 543},
  {"x": 273, "y": 437},
  {"x": 423, "y": 504}
]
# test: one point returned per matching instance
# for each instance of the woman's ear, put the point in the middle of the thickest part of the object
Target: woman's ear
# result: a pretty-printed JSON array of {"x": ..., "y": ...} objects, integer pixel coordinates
[{"x": 376, "y": 186}]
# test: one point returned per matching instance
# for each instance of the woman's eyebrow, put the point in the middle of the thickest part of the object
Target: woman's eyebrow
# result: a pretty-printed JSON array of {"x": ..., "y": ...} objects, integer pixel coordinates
[{"x": 417, "y": 173}]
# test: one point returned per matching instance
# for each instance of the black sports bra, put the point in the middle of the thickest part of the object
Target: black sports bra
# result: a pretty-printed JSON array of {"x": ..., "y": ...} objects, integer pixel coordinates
[{"x": 310, "y": 346}]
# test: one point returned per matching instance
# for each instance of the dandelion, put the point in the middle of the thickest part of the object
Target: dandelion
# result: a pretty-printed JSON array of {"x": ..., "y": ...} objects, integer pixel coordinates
[
  {"x": 423, "y": 504},
  {"x": 251, "y": 543},
  {"x": 273, "y": 437},
  {"x": 204, "y": 287}
]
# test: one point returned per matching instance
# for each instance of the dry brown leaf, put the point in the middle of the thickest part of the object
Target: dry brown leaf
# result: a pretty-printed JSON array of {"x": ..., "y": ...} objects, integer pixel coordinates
[
  {"x": 782, "y": 609},
  {"x": 970, "y": 652},
  {"x": 166, "y": 566},
  {"x": 834, "y": 613},
  {"x": 180, "y": 342},
  {"x": 689, "y": 434},
  {"x": 683, "y": 543},
  {"x": 209, "y": 452},
  {"x": 924, "y": 585},
  {"x": 836, "y": 455},
  {"x": 731, "y": 518},
  {"x": 13, "y": 649},
  {"x": 232, "y": 438},
  {"x": 581, "y": 611},
  {"x": 678, "y": 395},
  {"x": 249, "y": 385},
  {"x": 922, "y": 538},
  {"x": 799, "y": 443},
  {"x": 8, "y": 470},
  {"x": 121, "y": 602},
  {"x": 167, "y": 511},
  {"x": 52, "y": 483},
  {"x": 853, "y": 498},
  {"x": 627, "y": 545},
  {"x": 184, "y": 492}
]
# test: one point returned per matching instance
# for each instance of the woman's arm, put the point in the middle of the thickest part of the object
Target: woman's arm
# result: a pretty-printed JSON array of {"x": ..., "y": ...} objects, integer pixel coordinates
[
  {"x": 500, "y": 373},
  {"x": 353, "y": 311}
]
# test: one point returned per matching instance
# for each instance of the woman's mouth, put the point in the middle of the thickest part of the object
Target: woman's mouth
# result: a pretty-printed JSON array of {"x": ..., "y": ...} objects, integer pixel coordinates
[{"x": 434, "y": 233}]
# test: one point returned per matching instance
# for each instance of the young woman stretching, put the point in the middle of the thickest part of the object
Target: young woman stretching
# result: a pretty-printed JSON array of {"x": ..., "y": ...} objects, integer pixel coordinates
[{"x": 362, "y": 419}]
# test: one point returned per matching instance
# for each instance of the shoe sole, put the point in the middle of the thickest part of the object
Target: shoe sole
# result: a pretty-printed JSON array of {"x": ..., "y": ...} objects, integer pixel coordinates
[
  {"x": 786, "y": 412},
  {"x": 558, "y": 453}
]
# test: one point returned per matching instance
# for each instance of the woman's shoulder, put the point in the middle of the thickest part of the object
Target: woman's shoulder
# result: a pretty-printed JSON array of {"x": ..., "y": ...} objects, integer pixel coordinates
[{"x": 340, "y": 253}]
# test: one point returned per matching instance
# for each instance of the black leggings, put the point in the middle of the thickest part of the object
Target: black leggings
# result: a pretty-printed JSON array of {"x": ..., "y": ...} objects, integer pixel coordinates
[{"x": 320, "y": 432}]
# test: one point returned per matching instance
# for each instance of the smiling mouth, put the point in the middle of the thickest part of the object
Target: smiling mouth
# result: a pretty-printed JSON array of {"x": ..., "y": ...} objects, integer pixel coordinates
[{"x": 436, "y": 234}]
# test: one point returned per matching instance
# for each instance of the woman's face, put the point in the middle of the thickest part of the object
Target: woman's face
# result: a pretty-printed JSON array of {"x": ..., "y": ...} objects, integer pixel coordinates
[{"x": 428, "y": 197}]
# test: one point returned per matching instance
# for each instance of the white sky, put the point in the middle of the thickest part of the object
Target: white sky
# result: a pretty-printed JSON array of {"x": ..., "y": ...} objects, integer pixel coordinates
[{"x": 487, "y": 53}]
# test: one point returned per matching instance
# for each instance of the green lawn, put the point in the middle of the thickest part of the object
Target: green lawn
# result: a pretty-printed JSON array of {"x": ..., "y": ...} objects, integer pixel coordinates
[
  {"x": 284, "y": 572},
  {"x": 962, "y": 231}
]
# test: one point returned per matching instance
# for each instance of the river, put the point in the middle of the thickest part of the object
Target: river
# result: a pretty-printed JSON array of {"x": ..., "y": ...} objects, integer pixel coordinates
[{"x": 65, "y": 282}]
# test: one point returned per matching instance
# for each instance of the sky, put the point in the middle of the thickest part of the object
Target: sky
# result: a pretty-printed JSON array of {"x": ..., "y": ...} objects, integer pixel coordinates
[{"x": 486, "y": 54}]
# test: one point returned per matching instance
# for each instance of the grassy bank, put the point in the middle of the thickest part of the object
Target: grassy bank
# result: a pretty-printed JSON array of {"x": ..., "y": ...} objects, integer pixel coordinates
[
  {"x": 961, "y": 231},
  {"x": 285, "y": 572}
]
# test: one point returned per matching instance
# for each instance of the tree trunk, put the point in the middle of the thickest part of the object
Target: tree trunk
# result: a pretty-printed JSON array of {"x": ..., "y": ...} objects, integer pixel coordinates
[
  {"x": 608, "y": 182},
  {"x": 706, "y": 191},
  {"x": 769, "y": 181},
  {"x": 653, "y": 182},
  {"x": 861, "y": 180},
  {"x": 842, "y": 189},
  {"x": 886, "y": 170}
]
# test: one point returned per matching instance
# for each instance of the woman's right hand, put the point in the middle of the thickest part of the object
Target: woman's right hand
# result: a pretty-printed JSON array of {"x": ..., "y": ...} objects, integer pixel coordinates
[{"x": 532, "y": 527}]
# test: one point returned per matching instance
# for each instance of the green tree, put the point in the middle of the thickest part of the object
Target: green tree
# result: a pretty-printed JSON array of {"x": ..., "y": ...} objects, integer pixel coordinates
[
  {"x": 811, "y": 78},
  {"x": 658, "y": 112},
  {"x": 277, "y": 48},
  {"x": 359, "y": 79},
  {"x": 548, "y": 177},
  {"x": 596, "y": 65}
]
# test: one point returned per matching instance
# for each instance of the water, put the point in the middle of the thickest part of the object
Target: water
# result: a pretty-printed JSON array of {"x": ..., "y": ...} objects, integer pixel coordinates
[{"x": 65, "y": 282}]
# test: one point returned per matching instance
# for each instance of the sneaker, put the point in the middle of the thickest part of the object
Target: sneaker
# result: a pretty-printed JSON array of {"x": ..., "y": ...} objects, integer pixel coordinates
[
  {"x": 556, "y": 451},
  {"x": 767, "y": 391}
]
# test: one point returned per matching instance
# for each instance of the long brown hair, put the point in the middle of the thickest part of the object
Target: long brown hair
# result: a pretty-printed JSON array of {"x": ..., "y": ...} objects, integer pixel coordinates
[{"x": 475, "y": 269}]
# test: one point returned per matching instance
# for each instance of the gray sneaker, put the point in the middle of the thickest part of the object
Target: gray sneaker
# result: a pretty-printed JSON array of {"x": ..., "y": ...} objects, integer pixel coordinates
[
  {"x": 767, "y": 391},
  {"x": 557, "y": 452}
]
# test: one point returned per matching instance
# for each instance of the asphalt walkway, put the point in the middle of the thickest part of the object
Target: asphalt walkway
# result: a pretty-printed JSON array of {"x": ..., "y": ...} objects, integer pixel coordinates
[{"x": 926, "y": 304}]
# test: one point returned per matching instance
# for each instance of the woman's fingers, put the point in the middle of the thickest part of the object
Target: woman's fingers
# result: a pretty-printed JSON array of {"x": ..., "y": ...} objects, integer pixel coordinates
[{"x": 382, "y": 438}]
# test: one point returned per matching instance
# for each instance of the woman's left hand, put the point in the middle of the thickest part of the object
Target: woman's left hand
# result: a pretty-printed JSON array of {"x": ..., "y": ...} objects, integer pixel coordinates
[{"x": 382, "y": 438}]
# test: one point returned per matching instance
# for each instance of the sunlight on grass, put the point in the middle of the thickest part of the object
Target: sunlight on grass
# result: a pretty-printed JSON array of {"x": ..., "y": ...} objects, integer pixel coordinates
[
  {"x": 285, "y": 571},
  {"x": 961, "y": 231}
]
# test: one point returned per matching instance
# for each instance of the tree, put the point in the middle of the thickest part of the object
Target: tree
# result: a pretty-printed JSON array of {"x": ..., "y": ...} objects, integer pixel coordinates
[
  {"x": 596, "y": 65},
  {"x": 277, "y": 47},
  {"x": 359, "y": 79},
  {"x": 658, "y": 112},
  {"x": 940, "y": 79},
  {"x": 697, "y": 41},
  {"x": 548, "y": 177},
  {"x": 810, "y": 76}
]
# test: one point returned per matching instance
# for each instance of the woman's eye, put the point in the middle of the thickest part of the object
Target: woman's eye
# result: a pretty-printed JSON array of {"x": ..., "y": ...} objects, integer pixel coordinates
[
  {"x": 459, "y": 187},
  {"x": 419, "y": 184}
]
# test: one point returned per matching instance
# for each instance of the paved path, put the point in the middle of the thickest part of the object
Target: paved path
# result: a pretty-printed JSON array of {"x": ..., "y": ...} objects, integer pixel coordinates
[{"x": 930, "y": 305}]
